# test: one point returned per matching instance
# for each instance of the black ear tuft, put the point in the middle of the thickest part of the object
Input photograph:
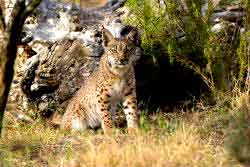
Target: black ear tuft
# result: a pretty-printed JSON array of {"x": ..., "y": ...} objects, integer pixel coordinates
[
  {"x": 106, "y": 36},
  {"x": 126, "y": 30},
  {"x": 133, "y": 36}
]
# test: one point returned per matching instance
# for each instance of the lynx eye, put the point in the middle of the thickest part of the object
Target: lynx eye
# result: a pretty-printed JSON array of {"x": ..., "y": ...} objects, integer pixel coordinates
[{"x": 128, "y": 49}]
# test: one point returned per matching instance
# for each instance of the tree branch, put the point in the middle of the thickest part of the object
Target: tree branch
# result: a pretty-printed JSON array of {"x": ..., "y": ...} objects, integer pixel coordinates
[
  {"x": 15, "y": 18},
  {"x": 21, "y": 12},
  {"x": 2, "y": 22},
  {"x": 31, "y": 7}
]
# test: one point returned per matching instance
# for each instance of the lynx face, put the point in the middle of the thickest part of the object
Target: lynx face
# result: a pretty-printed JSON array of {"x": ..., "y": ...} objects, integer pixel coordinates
[{"x": 120, "y": 53}]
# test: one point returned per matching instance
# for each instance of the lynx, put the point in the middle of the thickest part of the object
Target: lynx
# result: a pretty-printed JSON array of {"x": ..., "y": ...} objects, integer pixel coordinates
[{"x": 113, "y": 82}]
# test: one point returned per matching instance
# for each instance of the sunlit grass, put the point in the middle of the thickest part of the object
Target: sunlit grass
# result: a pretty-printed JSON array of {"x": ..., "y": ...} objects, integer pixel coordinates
[
  {"x": 147, "y": 149},
  {"x": 165, "y": 139}
]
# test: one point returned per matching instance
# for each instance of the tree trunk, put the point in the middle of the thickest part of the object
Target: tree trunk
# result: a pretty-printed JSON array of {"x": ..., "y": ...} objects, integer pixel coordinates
[
  {"x": 3, "y": 82},
  {"x": 9, "y": 37}
]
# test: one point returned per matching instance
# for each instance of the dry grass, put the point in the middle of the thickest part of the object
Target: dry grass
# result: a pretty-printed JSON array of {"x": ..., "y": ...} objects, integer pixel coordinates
[
  {"x": 182, "y": 148},
  {"x": 239, "y": 138},
  {"x": 215, "y": 136}
]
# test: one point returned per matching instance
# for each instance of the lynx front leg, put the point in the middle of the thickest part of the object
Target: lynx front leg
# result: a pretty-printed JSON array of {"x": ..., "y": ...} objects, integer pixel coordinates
[
  {"x": 74, "y": 118},
  {"x": 130, "y": 109},
  {"x": 104, "y": 106}
]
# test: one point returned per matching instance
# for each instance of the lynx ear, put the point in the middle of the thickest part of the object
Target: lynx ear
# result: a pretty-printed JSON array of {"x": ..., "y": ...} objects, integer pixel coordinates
[
  {"x": 106, "y": 36},
  {"x": 133, "y": 36}
]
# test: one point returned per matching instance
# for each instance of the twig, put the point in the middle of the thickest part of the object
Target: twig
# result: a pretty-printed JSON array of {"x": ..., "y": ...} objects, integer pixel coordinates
[{"x": 2, "y": 22}]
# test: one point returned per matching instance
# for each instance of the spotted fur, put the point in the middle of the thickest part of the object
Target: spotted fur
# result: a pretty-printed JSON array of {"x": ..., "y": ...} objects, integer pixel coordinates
[{"x": 95, "y": 104}]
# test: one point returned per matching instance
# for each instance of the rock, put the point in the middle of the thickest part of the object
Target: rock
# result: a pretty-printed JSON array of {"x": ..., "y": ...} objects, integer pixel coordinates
[
  {"x": 228, "y": 16},
  {"x": 54, "y": 20},
  {"x": 67, "y": 42},
  {"x": 235, "y": 8},
  {"x": 58, "y": 74},
  {"x": 50, "y": 79},
  {"x": 217, "y": 27}
]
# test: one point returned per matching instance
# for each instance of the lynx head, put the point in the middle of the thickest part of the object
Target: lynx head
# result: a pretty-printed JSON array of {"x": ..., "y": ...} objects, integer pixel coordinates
[{"x": 121, "y": 53}]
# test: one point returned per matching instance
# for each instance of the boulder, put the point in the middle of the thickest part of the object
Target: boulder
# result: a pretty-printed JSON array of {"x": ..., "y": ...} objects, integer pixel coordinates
[{"x": 60, "y": 48}]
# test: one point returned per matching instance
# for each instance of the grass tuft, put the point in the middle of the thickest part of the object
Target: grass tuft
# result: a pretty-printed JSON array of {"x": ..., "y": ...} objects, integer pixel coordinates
[{"x": 165, "y": 139}]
